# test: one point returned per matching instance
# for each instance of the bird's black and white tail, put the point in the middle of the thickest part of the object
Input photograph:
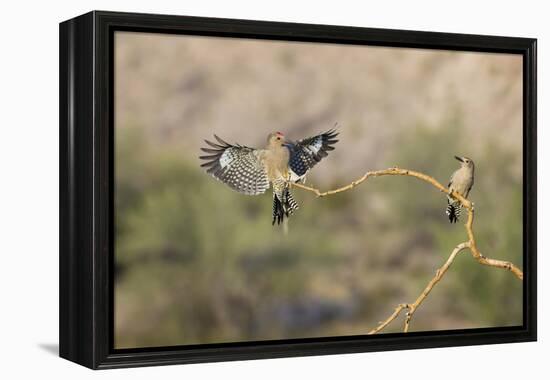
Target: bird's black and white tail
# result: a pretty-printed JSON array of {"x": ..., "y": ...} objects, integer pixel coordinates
[
  {"x": 453, "y": 211},
  {"x": 283, "y": 205}
]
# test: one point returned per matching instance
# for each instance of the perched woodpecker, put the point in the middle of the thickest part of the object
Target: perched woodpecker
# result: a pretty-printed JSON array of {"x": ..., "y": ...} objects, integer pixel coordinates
[
  {"x": 461, "y": 181},
  {"x": 251, "y": 171}
]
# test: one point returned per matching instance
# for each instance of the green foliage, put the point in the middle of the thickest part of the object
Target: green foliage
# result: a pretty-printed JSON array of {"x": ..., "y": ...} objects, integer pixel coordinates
[
  {"x": 208, "y": 252},
  {"x": 481, "y": 295},
  {"x": 198, "y": 263}
]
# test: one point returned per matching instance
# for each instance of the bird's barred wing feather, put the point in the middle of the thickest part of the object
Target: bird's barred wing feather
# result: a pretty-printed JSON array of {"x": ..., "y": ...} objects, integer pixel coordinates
[
  {"x": 451, "y": 179},
  {"x": 306, "y": 153},
  {"x": 239, "y": 167}
]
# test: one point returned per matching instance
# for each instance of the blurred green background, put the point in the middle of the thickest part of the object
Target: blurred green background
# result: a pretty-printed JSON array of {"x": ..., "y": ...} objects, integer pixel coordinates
[{"x": 199, "y": 263}]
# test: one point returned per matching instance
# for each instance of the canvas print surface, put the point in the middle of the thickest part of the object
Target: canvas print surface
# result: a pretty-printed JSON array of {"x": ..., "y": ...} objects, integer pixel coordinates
[{"x": 233, "y": 251}]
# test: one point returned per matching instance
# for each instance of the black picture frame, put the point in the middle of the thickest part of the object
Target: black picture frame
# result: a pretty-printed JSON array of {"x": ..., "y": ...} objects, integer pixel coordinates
[{"x": 86, "y": 188}]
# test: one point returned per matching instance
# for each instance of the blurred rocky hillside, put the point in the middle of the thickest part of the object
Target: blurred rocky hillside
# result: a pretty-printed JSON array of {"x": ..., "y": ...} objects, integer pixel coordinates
[{"x": 198, "y": 263}]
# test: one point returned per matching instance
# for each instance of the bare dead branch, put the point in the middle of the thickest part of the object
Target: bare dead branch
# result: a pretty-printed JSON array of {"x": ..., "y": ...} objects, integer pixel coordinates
[
  {"x": 485, "y": 260},
  {"x": 438, "y": 276},
  {"x": 382, "y": 325},
  {"x": 471, "y": 243}
]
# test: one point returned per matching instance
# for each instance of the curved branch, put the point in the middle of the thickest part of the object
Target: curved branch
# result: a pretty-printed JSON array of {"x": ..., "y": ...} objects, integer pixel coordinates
[
  {"x": 471, "y": 243},
  {"x": 485, "y": 260},
  {"x": 414, "y": 306},
  {"x": 391, "y": 171},
  {"x": 382, "y": 325},
  {"x": 438, "y": 275}
]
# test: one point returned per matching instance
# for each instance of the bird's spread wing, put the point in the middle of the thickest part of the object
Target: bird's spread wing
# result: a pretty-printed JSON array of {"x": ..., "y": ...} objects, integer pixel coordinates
[
  {"x": 240, "y": 167},
  {"x": 306, "y": 153}
]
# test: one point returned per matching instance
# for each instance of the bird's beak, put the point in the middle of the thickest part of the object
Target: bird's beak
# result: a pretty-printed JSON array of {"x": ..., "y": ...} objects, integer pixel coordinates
[{"x": 459, "y": 159}]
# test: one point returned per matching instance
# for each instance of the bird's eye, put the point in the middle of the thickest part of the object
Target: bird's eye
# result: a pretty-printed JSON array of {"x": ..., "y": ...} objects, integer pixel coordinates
[{"x": 278, "y": 138}]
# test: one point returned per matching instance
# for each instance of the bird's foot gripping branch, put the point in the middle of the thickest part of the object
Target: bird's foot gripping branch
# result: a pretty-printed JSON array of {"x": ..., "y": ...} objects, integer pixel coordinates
[{"x": 470, "y": 244}]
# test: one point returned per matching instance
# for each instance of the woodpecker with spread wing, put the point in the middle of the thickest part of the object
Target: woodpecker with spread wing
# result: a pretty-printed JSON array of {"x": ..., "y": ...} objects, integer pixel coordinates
[
  {"x": 461, "y": 181},
  {"x": 251, "y": 171}
]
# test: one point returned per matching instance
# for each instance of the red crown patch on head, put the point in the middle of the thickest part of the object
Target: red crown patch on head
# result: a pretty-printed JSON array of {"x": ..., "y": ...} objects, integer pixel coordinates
[{"x": 279, "y": 134}]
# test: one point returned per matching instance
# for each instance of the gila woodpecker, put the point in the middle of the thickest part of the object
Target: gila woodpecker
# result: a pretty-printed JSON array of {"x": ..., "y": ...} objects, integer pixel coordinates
[
  {"x": 251, "y": 171},
  {"x": 461, "y": 181}
]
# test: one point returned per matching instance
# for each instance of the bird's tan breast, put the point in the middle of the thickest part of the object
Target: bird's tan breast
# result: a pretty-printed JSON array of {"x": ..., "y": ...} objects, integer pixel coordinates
[
  {"x": 462, "y": 180},
  {"x": 276, "y": 163}
]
